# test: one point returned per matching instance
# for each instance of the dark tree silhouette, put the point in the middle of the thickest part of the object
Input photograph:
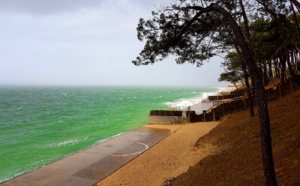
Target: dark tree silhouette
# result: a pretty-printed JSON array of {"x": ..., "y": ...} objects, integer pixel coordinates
[{"x": 195, "y": 31}]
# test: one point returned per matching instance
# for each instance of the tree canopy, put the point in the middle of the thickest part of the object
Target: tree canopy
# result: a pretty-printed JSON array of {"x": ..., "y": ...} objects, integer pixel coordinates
[
  {"x": 264, "y": 33},
  {"x": 233, "y": 72}
]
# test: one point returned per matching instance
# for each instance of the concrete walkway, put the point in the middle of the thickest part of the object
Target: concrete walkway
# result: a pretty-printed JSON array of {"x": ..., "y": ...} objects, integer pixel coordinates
[{"x": 95, "y": 163}]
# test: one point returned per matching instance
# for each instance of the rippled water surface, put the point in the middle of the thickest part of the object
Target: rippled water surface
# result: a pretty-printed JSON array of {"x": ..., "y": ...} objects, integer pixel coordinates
[{"x": 39, "y": 125}]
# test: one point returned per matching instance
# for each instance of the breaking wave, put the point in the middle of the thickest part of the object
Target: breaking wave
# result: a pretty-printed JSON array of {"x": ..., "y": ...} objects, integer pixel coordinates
[{"x": 184, "y": 103}]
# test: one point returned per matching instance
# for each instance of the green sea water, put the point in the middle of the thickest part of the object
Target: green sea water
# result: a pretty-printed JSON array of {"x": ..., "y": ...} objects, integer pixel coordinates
[{"x": 39, "y": 125}]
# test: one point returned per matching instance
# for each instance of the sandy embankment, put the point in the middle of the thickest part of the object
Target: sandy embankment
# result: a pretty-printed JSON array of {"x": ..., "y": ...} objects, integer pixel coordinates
[{"x": 169, "y": 158}]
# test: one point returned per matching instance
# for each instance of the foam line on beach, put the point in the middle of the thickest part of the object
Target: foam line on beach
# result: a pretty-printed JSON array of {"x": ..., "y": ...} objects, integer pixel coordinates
[
  {"x": 184, "y": 103},
  {"x": 104, "y": 140}
]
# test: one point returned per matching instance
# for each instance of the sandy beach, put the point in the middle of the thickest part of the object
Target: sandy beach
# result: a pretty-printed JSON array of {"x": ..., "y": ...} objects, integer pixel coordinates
[{"x": 167, "y": 159}]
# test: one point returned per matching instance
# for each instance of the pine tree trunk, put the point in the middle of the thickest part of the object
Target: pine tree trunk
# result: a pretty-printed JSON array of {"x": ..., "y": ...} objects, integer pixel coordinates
[
  {"x": 283, "y": 66},
  {"x": 265, "y": 74},
  {"x": 265, "y": 132},
  {"x": 270, "y": 70},
  {"x": 235, "y": 86},
  {"x": 261, "y": 99},
  {"x": 248, "y": 90},
  {"x": 276, "y": 68},
  {"x": 297, "y": 4},
  {"x": 292, "y": 73}
]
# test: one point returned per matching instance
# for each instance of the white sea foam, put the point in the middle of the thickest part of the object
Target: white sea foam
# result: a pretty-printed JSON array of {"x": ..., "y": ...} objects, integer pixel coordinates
[
  {"x": 62, "y": 143},
  {"x": 184, "y": 103},
  {"x": 103, "y": 140},
  {"x": 65, "y": 142},
  {"x": 17, "y": 173}
]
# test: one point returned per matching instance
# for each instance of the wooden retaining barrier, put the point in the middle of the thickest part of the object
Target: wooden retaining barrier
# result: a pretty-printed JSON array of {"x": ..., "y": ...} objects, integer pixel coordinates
[{"x": 220, "y": 110}]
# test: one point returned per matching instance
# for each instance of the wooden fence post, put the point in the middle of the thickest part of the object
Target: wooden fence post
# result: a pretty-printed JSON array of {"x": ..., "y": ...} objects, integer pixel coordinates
[{"x": 204, "y": 115}]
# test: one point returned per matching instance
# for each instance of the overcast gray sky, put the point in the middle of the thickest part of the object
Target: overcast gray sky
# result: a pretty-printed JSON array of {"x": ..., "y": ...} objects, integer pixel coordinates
[{"x": 90, "y": 42}]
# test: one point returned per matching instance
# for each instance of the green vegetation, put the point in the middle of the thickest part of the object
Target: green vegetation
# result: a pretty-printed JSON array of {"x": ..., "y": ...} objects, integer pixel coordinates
[
  {"x": 234, "y": 70},
  {"x": 264, "y": 34}
]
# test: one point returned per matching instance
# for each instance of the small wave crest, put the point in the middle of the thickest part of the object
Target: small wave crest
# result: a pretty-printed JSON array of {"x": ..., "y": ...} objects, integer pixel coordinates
[
  {"x": 103, "y": 140},
  {"x": 17, "y": 173},
  {"x": 65, "y": 143},
  {"x": 184, "y": 103}
]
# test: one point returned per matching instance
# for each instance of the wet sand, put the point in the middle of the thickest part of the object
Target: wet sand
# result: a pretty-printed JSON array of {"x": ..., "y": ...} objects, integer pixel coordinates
[
  {"x": 169, "y": 158},
  {"x": 97, "y": 162}
]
